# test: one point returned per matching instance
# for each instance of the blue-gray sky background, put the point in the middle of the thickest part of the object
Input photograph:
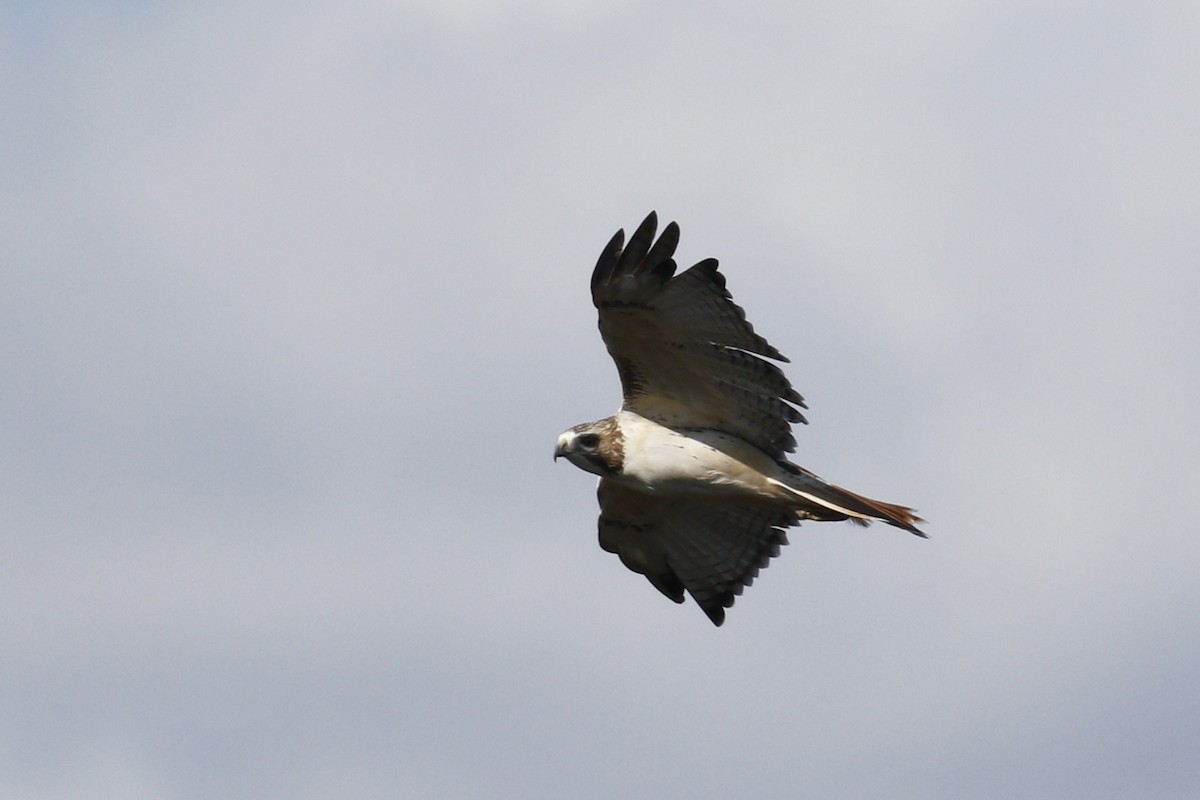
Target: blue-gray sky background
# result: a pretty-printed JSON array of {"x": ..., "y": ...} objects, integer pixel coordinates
[{"x": 294, "y": 305}]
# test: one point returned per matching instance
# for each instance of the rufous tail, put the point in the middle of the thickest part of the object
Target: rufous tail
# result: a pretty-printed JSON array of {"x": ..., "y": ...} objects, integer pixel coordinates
[{"x": 853, "y": 506}]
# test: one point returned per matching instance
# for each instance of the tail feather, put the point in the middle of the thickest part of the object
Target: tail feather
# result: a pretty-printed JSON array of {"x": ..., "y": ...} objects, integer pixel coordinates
[{"x": 850, "y": 505}]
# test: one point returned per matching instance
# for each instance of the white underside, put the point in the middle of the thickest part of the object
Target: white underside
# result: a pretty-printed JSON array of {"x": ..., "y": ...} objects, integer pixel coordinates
[{"x": 660, "y": 460}]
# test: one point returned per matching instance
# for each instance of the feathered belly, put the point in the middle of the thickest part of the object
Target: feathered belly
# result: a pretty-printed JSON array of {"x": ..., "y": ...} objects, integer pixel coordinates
[{"x": 701, "y": 462}]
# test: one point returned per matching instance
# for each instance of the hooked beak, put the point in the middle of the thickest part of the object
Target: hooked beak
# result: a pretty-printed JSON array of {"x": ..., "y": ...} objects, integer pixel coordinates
[{"x": 560, "y": 450}]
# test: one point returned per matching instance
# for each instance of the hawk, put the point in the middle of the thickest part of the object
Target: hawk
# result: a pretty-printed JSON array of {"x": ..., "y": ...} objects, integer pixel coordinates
[{"x": 695, "y": 487}]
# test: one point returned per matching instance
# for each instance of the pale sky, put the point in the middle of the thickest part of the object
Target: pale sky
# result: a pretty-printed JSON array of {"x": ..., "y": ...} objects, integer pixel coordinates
[{"x": 295, "y": 304}]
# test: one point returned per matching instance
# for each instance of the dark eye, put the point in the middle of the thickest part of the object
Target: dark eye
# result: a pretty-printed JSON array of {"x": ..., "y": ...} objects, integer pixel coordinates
[{"x": 588, "y": 441}]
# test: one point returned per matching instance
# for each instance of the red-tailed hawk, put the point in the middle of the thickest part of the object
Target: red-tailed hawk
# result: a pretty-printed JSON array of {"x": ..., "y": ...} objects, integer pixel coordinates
[{"x": 695, "y": 487}]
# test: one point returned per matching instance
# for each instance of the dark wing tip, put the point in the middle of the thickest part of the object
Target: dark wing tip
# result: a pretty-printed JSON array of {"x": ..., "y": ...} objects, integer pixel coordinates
[
  {"x": 666, "y": 582},
  {"x": 609, "y": 257},
  {"x": 658, "y": 261},
  {"x": 642, "y": 256},
  {"x": 649, "y": 225},
  {"x": 639, "y": 244},
  {"x": 715, "y": 612}
]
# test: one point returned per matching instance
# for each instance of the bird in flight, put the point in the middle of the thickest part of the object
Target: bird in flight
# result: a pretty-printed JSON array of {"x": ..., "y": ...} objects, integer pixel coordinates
[{"x": 695, "y": 487}]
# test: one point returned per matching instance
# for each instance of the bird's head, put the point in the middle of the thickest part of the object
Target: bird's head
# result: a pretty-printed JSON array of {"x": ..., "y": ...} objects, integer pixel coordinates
[{"x": 593, "y": 446}]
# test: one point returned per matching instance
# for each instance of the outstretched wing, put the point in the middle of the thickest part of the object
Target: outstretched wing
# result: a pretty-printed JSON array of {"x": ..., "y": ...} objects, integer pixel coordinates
[
  {"x": 686, "y": 355},
  {"x": 712, "y": 550}
]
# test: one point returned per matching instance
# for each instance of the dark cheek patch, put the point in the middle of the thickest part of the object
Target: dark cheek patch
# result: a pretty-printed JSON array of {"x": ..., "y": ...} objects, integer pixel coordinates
[{"x": 601, "y": 465}]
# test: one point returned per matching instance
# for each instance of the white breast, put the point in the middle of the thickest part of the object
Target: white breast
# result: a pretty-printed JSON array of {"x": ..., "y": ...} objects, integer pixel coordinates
[{"x": 661, "y": 460}]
